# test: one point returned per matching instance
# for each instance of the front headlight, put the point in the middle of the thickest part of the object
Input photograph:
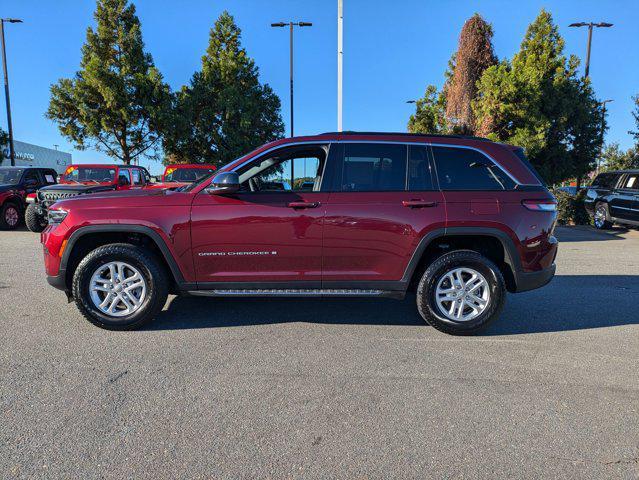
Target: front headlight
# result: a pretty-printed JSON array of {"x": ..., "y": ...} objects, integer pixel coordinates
[{"x": 56, "y": 216}]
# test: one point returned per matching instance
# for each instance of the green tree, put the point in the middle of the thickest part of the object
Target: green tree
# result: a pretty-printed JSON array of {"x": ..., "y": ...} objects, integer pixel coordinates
[
  {"x": 538, "y": 102},
  {"x": 635, "y": 114},
  {"x": 429, "y": 116},
  {"x": 4, "y": 138},
  {"x": 474, "y": 55},
  {"x": 117, "y": 101},
  {"x": 224, "y": 112},
  {"x": 614, "y": 158}
]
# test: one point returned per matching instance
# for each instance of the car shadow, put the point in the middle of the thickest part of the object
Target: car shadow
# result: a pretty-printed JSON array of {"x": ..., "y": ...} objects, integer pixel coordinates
[
  {"x": 567, "y": 303},
  {"x": 583, "y": 233}
]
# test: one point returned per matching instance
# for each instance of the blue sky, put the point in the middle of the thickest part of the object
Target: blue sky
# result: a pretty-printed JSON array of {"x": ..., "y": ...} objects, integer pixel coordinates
[{"x": 393, "y": 49}]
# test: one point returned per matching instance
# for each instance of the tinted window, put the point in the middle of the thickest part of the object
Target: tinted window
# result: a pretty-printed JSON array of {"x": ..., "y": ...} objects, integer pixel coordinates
[
  {"x": 49, "y": 176},
  {"x": 521, "y": 155},
  {"x": 419, "y": 169},
  {"x": 373, "y": 167},
  {"x": 632, "y": 182},
  {"x": 124, "y": 178},
  {"x": 605, "y": 180},
  {"x": 465, "y": 169},
  {"x": 31, "y": 175}
]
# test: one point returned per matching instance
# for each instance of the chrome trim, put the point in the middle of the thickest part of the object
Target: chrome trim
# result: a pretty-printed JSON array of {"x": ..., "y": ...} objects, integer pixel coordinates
[
  {"x": 287, "y": 292},
  {"x": 430, "y": 144}
]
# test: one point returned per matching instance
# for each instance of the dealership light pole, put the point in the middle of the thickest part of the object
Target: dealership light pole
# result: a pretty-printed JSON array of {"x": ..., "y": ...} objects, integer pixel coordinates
[
  {"x": 12, "y": 153},
  {"x": 603, "y": 125},
  {"x": 340, "y": 58},
  {"x": 590, "y": 26}
]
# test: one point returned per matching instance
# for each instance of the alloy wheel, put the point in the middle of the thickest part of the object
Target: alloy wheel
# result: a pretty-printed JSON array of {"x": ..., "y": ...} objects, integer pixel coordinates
[
  {"x": 462, "y": 294},
  {"x": 11, "y": 216},
  {"x": 117, "y": 289}
]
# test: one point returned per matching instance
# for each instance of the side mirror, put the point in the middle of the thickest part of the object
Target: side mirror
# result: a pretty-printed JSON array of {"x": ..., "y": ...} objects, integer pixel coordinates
[{"x": 224, "y": 183}]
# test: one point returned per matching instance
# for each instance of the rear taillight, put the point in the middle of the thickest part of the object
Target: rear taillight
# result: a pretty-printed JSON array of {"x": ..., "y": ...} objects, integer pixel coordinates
[{"x": 540, "y": 205}]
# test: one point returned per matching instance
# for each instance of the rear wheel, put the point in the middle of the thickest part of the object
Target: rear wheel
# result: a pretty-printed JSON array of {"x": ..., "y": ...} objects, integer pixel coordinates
[
  {"x": 34, "y": 221},
  {"x": 461, "y": 292},
  {"x": 120, "y": 286},
  {"x": 602, "y": 217},
  {"x": 9, "y": 216}
]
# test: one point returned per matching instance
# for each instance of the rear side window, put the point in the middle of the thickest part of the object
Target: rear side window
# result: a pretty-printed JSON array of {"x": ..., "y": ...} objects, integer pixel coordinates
[
  {"x": 373, "y": 167},
  {"x": 466, "y": 169},
  {"x": 521, "y": 155},
  {"x": 631, "y": 182},
  {"x": 605, "y": 180},
  {"x": 49, "y": 176},
  {"x": 419, "y": 175}
]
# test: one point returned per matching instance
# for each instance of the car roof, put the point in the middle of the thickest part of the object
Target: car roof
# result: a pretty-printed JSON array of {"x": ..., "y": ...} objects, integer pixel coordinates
[
  {"x": 27, "y": 167},
  {"x": 190, "y": 165},
  {"x": 635, "y": 170}
]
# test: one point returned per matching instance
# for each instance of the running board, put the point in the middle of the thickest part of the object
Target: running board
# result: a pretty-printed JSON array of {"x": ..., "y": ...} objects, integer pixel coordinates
[{"x": 294, "y": 292}]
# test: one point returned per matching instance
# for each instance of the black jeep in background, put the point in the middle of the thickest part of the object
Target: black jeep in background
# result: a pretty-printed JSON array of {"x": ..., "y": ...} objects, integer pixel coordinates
[{"x": 613, "y": 197}]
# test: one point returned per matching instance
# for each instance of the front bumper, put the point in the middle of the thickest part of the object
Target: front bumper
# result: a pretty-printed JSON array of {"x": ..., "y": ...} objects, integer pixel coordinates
[{"x": 532, "y": 280}]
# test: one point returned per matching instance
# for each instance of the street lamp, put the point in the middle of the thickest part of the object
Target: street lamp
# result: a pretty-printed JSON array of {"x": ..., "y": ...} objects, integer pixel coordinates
[
  {"x": 291, "y": 25},
  {"x": 12, "y": 153},
  {"x": 411, "y": 101},
  {"x": 590, "y": 25}
]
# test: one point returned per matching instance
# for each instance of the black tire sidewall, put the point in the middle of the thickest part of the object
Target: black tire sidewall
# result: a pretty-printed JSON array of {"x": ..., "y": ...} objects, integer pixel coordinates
[
  {"x": 144, "y": 262},
  {"x": 34, "y": 221},
  {"x": 461, "y": 258}
]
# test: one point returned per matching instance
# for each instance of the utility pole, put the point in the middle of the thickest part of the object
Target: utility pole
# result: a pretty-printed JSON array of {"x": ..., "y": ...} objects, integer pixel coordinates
[
  {"x": 12, "y": 152},
  {"x": 603, "y": 126},
  {"x": 340, "y": 58},
  {"x": 590, "y": 26}
]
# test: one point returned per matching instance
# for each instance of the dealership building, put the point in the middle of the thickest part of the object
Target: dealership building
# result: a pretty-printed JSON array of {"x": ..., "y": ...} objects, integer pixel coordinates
[{"x": 29, "y": 155}]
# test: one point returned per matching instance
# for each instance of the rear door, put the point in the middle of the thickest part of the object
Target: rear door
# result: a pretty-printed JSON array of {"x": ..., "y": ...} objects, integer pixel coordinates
[
  {"x": 383, "y": 202},
  {"x": 624, "y": 203}
]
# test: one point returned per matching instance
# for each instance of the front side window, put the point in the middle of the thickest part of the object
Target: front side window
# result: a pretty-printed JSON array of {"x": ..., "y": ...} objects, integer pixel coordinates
[
  {"x": 295, "y": 170},
  {"x": 32, "y": 175},
  {"x": 124, "y": 178},
  {"x": 466, "y": 169},
  {"x": 10, "y": 176},
  {"x": 137, "y": 177},
  {"x": 371, "y": 167},
  {"x": 186, "y": 175}
]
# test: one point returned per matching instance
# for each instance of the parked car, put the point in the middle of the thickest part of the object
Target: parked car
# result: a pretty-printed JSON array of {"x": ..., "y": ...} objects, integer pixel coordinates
[
  {"x": 459, "y": 220},
  {"x": 15, "y": 184},
  {"x": 570, "y": 190},
  {"x": 613, "y": 197},
  {"x": 83, "y": 180},
  {"x": 186, "y": 172}
]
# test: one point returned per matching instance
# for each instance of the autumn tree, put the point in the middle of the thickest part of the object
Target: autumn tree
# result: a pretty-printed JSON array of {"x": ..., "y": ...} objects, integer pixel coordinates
[
  {"x": 225, "y": 111},
  {"x": 474, "y": 55},
  {"x": 117, "y": 101}
]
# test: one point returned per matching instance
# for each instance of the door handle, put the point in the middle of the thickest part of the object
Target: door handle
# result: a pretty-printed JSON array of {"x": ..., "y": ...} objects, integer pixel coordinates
[
  {"x": 304, "y": 204},
  {"x": 418, "y": 203}
]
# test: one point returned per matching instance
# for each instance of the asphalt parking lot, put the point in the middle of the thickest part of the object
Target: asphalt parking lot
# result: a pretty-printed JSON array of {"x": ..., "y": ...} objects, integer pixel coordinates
[{"x": 224, "y": 388}]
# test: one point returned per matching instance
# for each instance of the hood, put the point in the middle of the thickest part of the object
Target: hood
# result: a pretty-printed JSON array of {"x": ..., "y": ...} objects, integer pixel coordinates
[
  {"x": 136, "y": 198},
  {"x": 76, "y": 188},
  {"x": 7, "y": 188}
]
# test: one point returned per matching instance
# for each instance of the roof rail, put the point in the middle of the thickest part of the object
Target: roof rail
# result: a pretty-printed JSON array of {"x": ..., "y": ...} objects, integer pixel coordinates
[{"x": 405, "y": 134}]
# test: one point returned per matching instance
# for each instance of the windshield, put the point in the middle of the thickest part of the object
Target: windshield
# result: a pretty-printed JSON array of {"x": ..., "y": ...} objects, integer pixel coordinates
[
  {"x": 185, "y": 174},
  {"x": 10, "y": 176},
  {"x": 80, "y": 174}
]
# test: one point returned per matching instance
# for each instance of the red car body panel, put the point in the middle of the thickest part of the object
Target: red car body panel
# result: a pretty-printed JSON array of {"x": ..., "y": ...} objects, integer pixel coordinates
[{"x": 347, "y": 236}]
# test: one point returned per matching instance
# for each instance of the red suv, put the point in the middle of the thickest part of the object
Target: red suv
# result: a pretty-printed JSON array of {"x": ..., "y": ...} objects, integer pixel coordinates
[{"x": 459, "y": 220}]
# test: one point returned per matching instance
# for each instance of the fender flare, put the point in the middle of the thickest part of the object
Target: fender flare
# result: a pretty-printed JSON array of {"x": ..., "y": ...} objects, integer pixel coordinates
[
  {"x": 511, "y": 256},
  {"x": 122, "y": 228}
]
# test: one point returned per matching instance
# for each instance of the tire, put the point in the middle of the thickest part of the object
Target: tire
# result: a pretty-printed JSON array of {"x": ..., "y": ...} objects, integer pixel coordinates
[
  {"x": 601, "y": 218},
  {"x": 492, "y": 290},
  {"x": 34, "y": 221},
  {"x": 137, "y": 259},
  {"x": 9, "y": 216}
]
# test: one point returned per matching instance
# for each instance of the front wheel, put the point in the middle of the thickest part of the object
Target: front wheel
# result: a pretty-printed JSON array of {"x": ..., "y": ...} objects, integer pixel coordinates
[
  {"x": 461, "y": 292},
  {"x": 34, "y": 221},
  {"x": 120, "y": 286}
]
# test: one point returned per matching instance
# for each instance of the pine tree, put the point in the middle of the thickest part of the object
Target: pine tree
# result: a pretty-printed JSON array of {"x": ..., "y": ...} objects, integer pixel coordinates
[
  {"x": 635, "y": 114},
  {"x": 538, "y": 102},
  {"x": 224, "y": 112},
  {"x": 117, "y": 101},
  {"x": 4, "y": 138},
  {"x": 429, "y": 113},
  {"x": 474, "y": 55}
]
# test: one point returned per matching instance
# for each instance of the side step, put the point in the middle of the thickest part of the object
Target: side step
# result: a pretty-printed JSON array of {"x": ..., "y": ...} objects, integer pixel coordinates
[{"x": 293, "y": 292}]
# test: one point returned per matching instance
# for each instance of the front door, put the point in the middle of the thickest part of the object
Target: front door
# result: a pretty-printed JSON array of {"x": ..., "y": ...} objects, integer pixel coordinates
[
  {"x": 383, "y": 203},
  {"x": 271, "y": 231}
]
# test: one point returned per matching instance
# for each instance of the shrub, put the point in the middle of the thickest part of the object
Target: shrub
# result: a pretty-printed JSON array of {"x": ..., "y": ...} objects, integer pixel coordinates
[{"x": 571, "y": 209}]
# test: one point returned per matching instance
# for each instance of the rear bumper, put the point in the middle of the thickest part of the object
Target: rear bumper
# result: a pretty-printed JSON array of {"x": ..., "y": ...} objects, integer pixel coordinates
[{"x": 532, "y": 280}]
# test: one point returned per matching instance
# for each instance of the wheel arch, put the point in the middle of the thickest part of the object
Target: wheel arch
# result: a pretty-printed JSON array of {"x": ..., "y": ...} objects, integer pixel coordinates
[
  {"x": 85, "y": 239},
  {"x": 493, "y": 243}
]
